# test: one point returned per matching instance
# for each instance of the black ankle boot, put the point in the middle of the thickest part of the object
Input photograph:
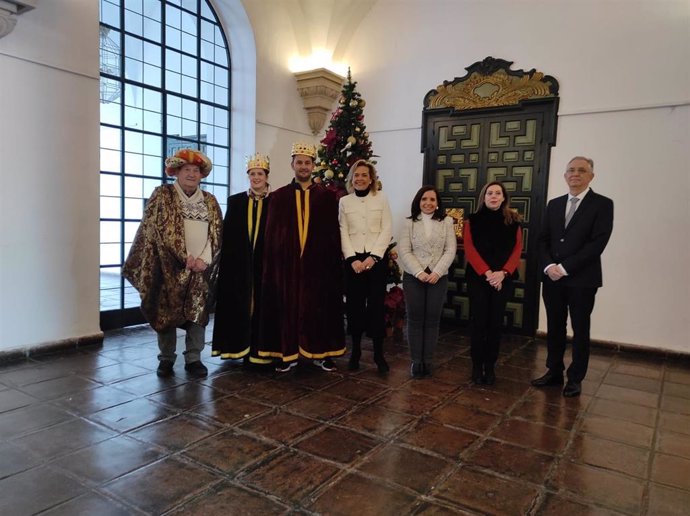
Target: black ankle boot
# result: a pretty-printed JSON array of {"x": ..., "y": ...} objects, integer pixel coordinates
[
  {"x": 477, "y": 374},
  {"x": 489, "y": 374},
  {"x": 382, "y": 364},
  {"x": 355, "y": 354},
  {"x": 378, "y": 356}
]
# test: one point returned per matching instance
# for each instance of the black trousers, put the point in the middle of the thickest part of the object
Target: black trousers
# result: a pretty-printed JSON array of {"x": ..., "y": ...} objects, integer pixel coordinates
[
  {"x": 487, "y": 306},
  {"x": 559, "y": 301},
  {"x": 364, "y": 296}
]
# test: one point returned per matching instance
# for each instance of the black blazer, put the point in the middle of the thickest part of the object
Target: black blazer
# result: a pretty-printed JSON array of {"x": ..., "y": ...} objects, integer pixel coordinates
[{"x": 579, "y": 246}]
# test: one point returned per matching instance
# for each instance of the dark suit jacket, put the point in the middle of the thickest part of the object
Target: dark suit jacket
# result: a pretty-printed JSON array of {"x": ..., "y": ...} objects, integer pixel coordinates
[{"x": 579, "y": 246}]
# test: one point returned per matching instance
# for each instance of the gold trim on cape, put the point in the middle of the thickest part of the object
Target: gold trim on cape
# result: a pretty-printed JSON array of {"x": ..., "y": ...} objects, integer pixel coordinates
[{"x": 302, "y": 219}]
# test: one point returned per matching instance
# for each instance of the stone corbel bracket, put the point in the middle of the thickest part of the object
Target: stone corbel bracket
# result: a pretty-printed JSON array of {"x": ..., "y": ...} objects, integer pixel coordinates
[
  {"x": 318, "y": 89},
  {"x": 8, "y": 11}
]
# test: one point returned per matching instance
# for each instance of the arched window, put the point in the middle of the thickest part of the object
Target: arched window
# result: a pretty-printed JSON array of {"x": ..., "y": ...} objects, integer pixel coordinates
[{"x": 165, "y": 84}]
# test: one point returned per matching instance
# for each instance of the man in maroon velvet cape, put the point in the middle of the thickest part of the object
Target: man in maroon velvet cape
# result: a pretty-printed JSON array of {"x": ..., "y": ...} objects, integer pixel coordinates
[{"x": 302, "y": 311}]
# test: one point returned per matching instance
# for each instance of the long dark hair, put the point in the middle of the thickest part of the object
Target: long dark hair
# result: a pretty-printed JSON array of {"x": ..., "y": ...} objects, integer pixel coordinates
[
  {"x": 415, "y": 210},
  {"x": 510, "y": 215}
]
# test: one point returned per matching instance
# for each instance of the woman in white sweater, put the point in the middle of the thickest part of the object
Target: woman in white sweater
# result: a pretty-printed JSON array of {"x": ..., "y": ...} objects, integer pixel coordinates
[
  {"x": 426, "y": 249},
  {"x": 365, "y": 232}
]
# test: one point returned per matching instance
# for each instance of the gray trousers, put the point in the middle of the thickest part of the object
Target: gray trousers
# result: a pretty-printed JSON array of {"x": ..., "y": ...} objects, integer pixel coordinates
[
  {"x": 424, "y": 303},
  {"x": 194, "y": 343}
]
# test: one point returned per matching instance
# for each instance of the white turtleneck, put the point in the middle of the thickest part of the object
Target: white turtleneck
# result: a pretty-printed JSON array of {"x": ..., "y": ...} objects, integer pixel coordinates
[{"x": 428, "y": 223}]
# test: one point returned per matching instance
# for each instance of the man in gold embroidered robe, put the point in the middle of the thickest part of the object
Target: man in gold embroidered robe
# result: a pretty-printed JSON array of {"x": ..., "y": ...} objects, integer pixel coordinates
[
  {"x": 173, "y": 262},
  {"x": 302, "y": 312}
]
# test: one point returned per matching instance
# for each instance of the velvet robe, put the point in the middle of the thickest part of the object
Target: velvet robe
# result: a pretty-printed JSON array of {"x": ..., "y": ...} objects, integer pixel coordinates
[
  {"x": 238, "y": 305},
  {"x": 302, "y": 306},
  {"x": 171, "y": 294}
]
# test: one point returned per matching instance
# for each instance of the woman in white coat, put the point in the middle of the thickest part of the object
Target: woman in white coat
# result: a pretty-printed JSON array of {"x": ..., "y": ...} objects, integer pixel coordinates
[
  {"x": 365, "y": 233},
  {"x": 426, "y": 248}
]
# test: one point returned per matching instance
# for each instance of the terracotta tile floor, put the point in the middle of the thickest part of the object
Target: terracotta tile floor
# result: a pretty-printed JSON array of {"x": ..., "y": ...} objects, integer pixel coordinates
[{"x": 97, "y": 432}]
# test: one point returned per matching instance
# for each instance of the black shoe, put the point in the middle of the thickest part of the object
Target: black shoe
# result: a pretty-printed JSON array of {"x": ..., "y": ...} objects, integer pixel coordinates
[
  {"x": 426, "y": 370},
  {"x": 477, "y": 375},
  {"x": 549, "y": 378},
  {"x": 165, "y": 368},
  {"x": 381, "y": 364},
  {"x": 196, "y": 369},
  {"x": 416, "y": 370},
  {"x": 572, "y": 389}
]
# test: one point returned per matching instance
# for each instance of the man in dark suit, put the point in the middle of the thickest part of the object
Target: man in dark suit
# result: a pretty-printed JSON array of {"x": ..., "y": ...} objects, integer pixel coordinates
[{"x": 576, "y": 230}]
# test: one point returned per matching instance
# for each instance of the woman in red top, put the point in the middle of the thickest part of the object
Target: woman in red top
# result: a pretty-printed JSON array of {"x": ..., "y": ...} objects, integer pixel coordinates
[{"x": 493, "y": 243}]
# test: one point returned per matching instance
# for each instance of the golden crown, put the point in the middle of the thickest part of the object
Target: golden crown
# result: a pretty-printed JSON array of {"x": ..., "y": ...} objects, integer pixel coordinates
[
  {"x": 306, "y": 149},
  {"x": 259, "y": 161}
]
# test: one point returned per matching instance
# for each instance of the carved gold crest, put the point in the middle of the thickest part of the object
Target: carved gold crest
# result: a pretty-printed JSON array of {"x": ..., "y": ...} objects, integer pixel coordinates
[
  {"x": 491, "y": 83},
  {"x": 458, "y": 216},
  {"x": 499, "y": 89}
]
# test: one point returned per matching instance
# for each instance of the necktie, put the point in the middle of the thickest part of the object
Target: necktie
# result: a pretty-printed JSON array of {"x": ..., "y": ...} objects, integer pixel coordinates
[{"x": 571, "y": 210}]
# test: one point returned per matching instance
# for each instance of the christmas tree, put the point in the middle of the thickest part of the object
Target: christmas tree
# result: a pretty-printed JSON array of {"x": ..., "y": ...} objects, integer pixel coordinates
[{"x": 346, "y": 139}]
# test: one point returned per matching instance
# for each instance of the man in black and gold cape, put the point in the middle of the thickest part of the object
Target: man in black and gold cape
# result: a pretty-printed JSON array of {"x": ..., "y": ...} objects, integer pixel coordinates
[{"x": 302, "y": 302}]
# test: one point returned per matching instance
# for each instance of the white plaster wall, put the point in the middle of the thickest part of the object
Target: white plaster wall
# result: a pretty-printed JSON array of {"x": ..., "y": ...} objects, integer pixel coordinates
[
  {"x": 641, "y": 161},
  {"x": 280, "y": 116},
  {"x": 611, "y": 58},
  {"x": 49, "y": 140},
  {"x": 238, "y": 30}
]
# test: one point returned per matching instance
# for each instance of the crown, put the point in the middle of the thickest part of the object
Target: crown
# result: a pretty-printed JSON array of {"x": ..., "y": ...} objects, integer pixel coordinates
[
  {"x": 305, "y": 149},
  {"x": 259, "y": 161}
]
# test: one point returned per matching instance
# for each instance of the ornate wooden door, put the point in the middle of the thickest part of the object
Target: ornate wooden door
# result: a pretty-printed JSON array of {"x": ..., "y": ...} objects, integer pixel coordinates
[{"x": 481, "y": 139}]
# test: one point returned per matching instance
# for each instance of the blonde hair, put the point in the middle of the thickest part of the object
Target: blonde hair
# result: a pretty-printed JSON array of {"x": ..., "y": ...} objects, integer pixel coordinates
[{"x": 373, "y": 175}]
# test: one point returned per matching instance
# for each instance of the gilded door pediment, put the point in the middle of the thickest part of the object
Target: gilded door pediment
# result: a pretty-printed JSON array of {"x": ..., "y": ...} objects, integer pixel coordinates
[{"x": 491, "y": 83}]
